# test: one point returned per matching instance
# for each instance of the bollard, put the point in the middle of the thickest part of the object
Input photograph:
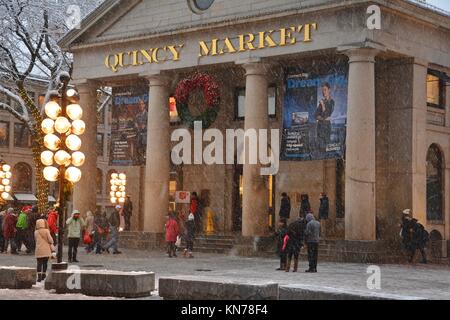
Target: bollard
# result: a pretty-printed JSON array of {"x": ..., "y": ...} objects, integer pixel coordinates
[{"x": 209, "y": 222}]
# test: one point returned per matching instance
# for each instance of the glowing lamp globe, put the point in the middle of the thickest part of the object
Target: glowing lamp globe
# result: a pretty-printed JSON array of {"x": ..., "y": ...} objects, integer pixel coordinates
[
  {"x": 121, "y": 200},
  {"x": 74, "y": 111},
  {"x": 51, "y": 174},
  {"x": 6, "y": 167},
  {"x": 5, "y": 195},
  {"x": 122, "y": 188},
  {"x": 73, "y": 142},
  {"x": 118, "y": 194},
  {"x": 6, "y": 182},
  {"x": 62, "y": 158},
  {"x": 123, "y": 182},
  {"x": 47, "y": 158},
  {"x": 2, "y": 174},
  {"x": 62, "y": 125},
  {"x": 78, "y": 158},
  {"x": 122, "y": 176},
  {"x": 112, "y": 194},
  {"x": 7, "y": 188},
  {"x": 48, "y": 126},
  {"x": 2, "y": 188},
  {"x": 114, "y": 176},
  {"x": 113, "y": 199},
  {"x": 73, "y": 174},
  {"x": 52, "y": 110},
  {"x": 114, "y": 188},
  {"x": 78, "y": 127},
  {"x": 8, "y": 175},
  {"x": 52, "y": 142},
  {"x": 72, "y": 95},
  {"x": 117, "y": 182}
]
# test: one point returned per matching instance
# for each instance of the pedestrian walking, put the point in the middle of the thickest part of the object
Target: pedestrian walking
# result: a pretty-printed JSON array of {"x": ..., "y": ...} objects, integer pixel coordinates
[
  {"x": 114, "y": 224},
  {"x": 194, "y": 208},
  {"x": 324, "y": 206},
  {"x": 172, "y": 232},
  {"x": 189, "y": 236},
  {"x": 285, "y": 207},
  {"x": 53, "y": 224},
  {"x": 280, "y": 235},
  {"x": 75, "y": 225},
  {"x": 2, "y": 239},
  {"x": 89, "y": 232},
  {"x": 44, "y": 248},
  {"x": 414, "y": 236},
  {"x": 294, "y": 242},
  {"x": 128, "y": 212},
  {"x": 101, "y": 230},
  {"x": 312, "y": 238},
  {"x": 22, "y": 233},
  {"x": 9, "y": 231}
]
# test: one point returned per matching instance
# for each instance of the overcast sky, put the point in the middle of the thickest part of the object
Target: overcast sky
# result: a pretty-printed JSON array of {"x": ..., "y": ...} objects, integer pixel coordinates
[{"x": 444, "y": 4}]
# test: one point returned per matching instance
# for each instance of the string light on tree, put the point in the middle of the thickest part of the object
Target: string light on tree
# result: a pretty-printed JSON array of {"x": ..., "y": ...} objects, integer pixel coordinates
[{"x": 118, "y": 187}]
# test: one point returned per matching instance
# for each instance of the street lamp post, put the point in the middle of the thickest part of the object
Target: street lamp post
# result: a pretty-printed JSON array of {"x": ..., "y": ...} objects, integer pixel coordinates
[
  {"x": 62, "y": 159},
  {"x": 5, "y": 181}
]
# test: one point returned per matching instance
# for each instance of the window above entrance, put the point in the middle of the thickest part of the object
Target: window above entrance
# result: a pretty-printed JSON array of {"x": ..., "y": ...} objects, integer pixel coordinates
[{"x": 199, "y": 6}]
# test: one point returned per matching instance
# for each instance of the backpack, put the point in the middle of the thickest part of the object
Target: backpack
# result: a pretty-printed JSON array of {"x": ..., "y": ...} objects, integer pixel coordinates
[{"x": 22, "y": 223}]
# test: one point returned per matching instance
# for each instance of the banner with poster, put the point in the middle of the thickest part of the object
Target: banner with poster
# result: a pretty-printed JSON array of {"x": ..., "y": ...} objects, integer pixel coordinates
[
  {"x": 314, "y": 117},
  {"x": 183, "y": 197},
  {"x": 129, "y": 126}
]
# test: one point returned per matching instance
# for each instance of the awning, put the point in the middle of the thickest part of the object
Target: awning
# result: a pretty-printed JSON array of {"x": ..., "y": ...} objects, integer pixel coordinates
[
  {"x": 25, "y": 197},
  {"x": 51, "y": 199},
  {"x": 9, "y": 198}
]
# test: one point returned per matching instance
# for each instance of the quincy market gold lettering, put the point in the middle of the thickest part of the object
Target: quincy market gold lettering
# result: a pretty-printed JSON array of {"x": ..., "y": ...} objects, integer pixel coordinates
[
  {"x": 261, "y": 40},
  {"x": 241, "y": 43},
  {"x": 139, "y": 57}
]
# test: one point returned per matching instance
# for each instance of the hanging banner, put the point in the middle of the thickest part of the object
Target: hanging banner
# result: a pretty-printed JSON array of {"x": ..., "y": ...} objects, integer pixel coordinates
[
  {"x": 314, "y": 117},
  {"x": 129, "y": 126}
]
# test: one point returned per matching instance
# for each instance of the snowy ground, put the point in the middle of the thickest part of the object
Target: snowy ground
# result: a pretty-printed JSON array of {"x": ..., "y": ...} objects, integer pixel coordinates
[{"x": 426, "y": 281}]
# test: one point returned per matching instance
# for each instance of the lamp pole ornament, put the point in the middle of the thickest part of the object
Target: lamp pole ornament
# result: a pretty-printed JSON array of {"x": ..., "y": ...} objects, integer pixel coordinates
[{"x": 62, "y": 159}]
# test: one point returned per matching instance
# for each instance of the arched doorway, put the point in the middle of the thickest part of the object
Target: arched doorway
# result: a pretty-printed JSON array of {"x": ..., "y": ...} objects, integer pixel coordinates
[{"x": 435, "y": 184}]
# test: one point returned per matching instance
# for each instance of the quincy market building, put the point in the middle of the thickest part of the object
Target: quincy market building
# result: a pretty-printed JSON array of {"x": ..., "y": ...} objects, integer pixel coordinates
[{"x": 387, "y": 147}]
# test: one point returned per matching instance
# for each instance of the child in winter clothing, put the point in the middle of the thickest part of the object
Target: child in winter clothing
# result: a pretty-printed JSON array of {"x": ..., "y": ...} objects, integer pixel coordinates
[
  {"x": 44, "y": 248},
  {"x": 172, "y": 232}
]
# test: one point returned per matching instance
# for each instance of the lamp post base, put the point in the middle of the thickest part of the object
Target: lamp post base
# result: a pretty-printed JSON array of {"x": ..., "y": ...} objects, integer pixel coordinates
[{"x": 59, "y": 266}]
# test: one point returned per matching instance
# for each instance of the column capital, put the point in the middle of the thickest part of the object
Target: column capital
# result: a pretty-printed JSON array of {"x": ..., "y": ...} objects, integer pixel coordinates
[
  {"x": 156, "y": 79},
  {"x": 256, "y": 68},
  {"x": 85, "y": 84},
  {"x": 361, "y": 54}
]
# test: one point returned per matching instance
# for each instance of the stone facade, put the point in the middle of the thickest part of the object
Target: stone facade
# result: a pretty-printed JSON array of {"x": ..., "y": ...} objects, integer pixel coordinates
[{"x": 388, "y": 133}]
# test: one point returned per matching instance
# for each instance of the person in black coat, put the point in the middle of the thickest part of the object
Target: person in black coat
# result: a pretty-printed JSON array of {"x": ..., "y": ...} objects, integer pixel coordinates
[
  {"x": 305, "y": 206},
  {"x": 285, "y": 207},
  {"x": 419, "y": 239},
  {"x": 296, "y": 235},
  {"x": 189, "y": 236},
  {"x": 324, "y": 206}
]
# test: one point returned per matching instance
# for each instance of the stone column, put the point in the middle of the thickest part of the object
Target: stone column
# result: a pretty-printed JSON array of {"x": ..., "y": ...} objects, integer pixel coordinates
[
  {"x": 157, "y": 172},
  {"x": 419, "y": 140},
  {"x": 360, "y": 153},
  {"x": 255, "y": 207},
  {"x": 85, "y": 194}
]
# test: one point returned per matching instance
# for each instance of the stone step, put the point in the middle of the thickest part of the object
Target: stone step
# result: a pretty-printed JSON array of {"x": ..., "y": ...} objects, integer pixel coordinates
[{"x": 212, "y": 250}]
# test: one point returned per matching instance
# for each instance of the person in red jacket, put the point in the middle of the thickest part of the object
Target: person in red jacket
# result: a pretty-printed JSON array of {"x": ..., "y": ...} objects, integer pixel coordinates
[
  {"x": 53, "y": 224},
  {"x": 9, "y": 230},
  {"x": 172, "y": 232}
]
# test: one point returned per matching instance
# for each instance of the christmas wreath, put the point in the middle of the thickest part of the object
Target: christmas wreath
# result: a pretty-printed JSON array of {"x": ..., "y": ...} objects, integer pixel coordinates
[{"x": 211, "y": 93}]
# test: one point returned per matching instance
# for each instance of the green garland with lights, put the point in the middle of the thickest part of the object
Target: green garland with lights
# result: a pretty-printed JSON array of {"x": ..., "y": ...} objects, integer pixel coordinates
[{"x": 37, "y": 148}]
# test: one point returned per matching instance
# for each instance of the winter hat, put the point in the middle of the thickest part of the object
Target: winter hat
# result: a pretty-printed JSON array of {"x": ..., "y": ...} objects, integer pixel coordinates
[
  {"x": 10, "y": 210},
  {"x": 74, "y": 212},
  {"x": 309, "y": 217},
  {"x": 407, "y": 212},
  {"x": 191, "y": 217}
]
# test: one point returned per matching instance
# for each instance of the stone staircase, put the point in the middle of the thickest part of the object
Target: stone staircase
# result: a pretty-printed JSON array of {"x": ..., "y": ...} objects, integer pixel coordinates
[{"x": 222, "y": 244}]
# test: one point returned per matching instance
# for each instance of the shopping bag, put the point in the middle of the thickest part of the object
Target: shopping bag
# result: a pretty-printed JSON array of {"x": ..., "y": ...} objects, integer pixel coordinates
[
  {"x": 178, "y": 242},
  {"x": 87, "y": 238}
]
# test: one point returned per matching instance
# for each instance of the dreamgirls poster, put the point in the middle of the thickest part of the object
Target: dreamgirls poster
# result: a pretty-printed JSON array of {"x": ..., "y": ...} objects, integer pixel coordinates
[
  {"x": 129, "y": 126},
  {"x": 314, "y": 116}
]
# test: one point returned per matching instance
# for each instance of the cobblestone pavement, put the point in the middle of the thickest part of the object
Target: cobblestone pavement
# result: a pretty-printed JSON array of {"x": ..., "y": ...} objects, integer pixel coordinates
[{"x": 425, "y": 281}]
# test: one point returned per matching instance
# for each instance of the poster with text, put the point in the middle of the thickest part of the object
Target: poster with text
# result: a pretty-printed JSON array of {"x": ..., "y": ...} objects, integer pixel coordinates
[
  {"x": 129, "y": 126},
  {"x": 314, "y": 117}
]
